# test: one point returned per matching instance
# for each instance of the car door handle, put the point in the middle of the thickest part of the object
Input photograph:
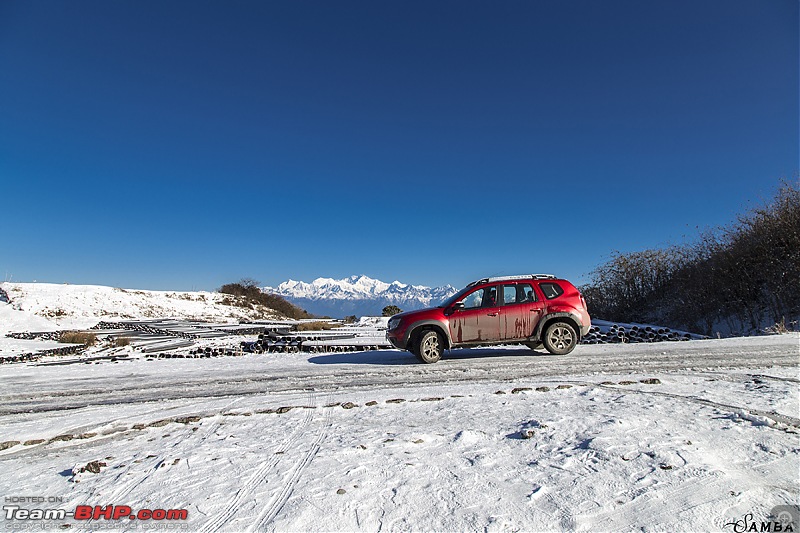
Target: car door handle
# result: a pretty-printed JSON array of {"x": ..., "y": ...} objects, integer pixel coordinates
[{"x": 492, "y": 314}]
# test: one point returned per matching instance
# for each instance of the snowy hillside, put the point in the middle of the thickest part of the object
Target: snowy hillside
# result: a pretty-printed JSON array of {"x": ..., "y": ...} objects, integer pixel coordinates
[
  {"x": 48, "y": 306},
  {"x": 358, "y": 295},
  {"x": 12, "y": 319}
]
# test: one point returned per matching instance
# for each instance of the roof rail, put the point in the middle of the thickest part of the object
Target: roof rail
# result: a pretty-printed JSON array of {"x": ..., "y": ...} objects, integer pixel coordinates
[{"x": 509, "y": 278}]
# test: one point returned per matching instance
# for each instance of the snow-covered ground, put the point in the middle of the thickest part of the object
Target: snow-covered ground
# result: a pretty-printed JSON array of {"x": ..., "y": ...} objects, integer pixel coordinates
[
  {"x": 65, "y": 306},
  {"x": 686, "y": 436}
]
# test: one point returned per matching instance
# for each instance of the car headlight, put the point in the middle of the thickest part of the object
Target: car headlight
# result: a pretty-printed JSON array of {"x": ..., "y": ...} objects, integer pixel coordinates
[{"x": 393, "y": 323}]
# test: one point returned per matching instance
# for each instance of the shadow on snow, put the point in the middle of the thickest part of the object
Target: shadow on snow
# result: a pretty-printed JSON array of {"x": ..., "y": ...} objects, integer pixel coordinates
[{"x": 401, "y": 358}]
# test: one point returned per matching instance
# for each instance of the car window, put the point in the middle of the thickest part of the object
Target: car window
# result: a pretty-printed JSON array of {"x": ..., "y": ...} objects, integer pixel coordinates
[
  {"x": 518, "y": 293},
  {"x": 474, "y": 299},
  {"x": 509, "y": 294},
  {"x": 490, "y": 297},
  {"x": 551, "y": 290},
  {"x": 525, "y": 293}
]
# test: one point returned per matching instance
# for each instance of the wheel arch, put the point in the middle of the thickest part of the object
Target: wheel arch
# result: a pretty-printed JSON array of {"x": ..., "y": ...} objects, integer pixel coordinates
[
  {"x": 417, "y": 329},
  {"x": 558, "y": 317}
]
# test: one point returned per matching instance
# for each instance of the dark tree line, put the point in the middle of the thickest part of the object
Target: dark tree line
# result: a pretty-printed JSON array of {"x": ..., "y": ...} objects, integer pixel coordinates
[
  {"x": 250, "y": 294},
  {"x": 739, "y": 278}
]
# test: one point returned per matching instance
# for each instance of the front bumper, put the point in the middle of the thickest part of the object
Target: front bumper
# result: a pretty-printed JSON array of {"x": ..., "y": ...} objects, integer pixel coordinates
[{"x": 398, "y": 342}]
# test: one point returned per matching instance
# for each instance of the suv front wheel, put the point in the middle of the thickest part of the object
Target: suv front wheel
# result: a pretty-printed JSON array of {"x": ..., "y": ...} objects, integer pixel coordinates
[
  {"x": 560, "y": 338},
  {"x": 430, "y": 347}
]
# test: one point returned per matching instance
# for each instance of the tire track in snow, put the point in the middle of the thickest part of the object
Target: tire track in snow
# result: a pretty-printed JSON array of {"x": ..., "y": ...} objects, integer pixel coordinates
[
  {"x": 699, "y": 491},
  {"x": 773, "y": 416},
  {"x": 258, "y": 477},
  {"x": 730, "y": 377},
  {"x": 459, "y": 366},
  {"x": 651, "y": 503},
  {"x": 271, "y": 511},
  {"x": 129, "y": 486}
]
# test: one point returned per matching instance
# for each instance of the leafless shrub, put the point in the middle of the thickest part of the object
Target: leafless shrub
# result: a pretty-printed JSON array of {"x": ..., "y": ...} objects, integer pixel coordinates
[
  {"x": 119, "y": 342},
  {"x": 78, "y": 337},
  {"x": 781, "y": 327},
  {"x": 316, "y": 326},
  {"x": 391, "y": 310},
  {"x": 743, "y": 275},
  {"x": 249, "y": 295}
]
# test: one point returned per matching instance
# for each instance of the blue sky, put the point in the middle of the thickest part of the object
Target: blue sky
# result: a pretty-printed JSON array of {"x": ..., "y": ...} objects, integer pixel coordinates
[{"x": 183, "y": 145}]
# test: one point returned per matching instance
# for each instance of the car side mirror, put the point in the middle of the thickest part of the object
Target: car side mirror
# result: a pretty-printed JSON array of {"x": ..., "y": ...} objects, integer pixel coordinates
[{"x": 455, "y": 307}]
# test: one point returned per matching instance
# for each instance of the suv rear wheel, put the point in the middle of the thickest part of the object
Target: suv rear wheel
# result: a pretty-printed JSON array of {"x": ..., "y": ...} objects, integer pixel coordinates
[
  {"x": 430, "y": 347},
  {"x": 560, "y": 338}
]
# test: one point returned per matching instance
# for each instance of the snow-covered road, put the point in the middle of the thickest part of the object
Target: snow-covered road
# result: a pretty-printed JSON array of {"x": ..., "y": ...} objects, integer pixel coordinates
[
  {"x": 43, "y": 388},
  {"x": 685, "y": 436}
]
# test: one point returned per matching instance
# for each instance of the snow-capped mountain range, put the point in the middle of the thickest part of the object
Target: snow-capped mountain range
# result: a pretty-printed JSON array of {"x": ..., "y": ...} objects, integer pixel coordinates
[{"x": 358, "y": 295}]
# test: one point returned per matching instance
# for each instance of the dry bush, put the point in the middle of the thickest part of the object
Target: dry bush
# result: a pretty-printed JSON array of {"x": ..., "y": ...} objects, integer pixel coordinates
[
  {"x": 249, "y": 295},
  {"x": 78, "y": 337},
  {"x": 316, "y": 326},
  {"x": 119, "y": 342},
  {"x": 781, "y": 327},
  {"x": 744, "y": 275}
]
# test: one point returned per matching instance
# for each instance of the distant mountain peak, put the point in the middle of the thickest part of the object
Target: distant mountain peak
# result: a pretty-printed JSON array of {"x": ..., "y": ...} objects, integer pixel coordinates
[{"x": 358, "y": 295}]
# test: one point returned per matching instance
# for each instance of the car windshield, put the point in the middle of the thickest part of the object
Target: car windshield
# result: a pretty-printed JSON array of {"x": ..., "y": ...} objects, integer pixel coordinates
[{"x": 454, "y": 298}]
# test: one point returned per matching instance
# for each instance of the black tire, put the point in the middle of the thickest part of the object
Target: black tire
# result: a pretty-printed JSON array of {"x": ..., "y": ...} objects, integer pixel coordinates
[
  {"x": 429, "y": 347},
  {"x": 413, "y": 347},
  {"x": 560, "y": 338}
]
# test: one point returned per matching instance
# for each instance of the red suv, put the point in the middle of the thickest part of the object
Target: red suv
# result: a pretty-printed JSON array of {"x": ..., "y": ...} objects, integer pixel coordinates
[{"x": 534, "y": 310}]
